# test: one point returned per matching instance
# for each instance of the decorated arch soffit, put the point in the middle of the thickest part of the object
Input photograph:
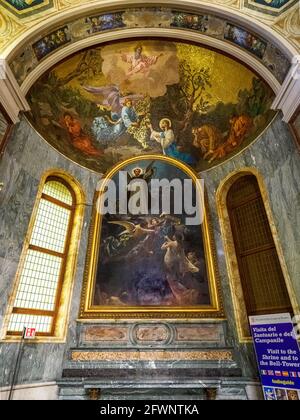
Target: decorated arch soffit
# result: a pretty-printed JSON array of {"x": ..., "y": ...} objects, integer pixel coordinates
[
  {"x": 17, "y": 17},
  {"x": 27, "y": 8}
]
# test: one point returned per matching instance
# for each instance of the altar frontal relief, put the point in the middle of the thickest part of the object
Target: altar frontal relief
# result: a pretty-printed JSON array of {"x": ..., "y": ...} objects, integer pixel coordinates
[
  {"x": 126, "y": 99},
  {"x": 156, "y": 260}
]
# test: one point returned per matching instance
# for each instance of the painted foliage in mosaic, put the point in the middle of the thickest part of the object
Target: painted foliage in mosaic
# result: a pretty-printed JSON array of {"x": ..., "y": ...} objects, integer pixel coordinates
[{"x": 121, "y": 100}]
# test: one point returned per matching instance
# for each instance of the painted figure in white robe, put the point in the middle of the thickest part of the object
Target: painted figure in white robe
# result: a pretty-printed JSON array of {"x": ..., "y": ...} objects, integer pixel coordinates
[{"x": 165, "y": 137}]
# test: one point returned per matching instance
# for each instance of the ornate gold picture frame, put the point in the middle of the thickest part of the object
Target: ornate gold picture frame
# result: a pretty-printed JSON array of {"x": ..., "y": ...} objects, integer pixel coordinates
[
  {"x": 209, "y": 304},
  {"x": 295, "y": 125}
]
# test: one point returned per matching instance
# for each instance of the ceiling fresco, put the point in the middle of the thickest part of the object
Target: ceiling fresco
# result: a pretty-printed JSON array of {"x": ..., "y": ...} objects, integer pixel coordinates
[{"x": 126, "y": 99}]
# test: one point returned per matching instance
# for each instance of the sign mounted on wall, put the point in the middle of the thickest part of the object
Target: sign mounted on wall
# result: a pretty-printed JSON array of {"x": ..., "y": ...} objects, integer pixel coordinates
[{"x": 278, "y": 356}]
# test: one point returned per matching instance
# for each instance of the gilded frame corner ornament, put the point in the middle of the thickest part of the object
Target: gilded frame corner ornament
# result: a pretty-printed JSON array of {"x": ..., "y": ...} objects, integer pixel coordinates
[{"x": 87, "y": 311}]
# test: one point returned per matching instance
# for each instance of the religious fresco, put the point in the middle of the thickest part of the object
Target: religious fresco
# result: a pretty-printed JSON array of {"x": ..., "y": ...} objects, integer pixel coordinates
[
  {"x": 143, "y": 17},
  {"x": 272, "y": 3},
  {"x": 271, "y": 8},
  {"x": 190, "y": 21},
  {"x": 245, "y": 39},
  {"x": 121, "y": 100},
  {"x": 4, "y": 128},
  {"x": 105, "y": 22}
]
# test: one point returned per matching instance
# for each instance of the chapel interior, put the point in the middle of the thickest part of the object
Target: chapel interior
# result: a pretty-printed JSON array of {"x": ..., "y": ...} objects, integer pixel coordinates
[{"x": 150, "y": 305}]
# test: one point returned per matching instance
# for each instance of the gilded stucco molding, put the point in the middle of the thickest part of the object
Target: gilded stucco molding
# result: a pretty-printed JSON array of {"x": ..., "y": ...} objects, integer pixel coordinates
[
  {"x": 61, "y": 325},
  {"x": 289, "y": 26}
]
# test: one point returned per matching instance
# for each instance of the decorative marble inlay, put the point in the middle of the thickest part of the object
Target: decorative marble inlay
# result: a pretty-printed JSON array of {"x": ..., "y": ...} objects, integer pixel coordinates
[
  {"x": 110, "y": 356},
  {"x": 106, "y": 334},
  {"x": 201, "y": 333}
]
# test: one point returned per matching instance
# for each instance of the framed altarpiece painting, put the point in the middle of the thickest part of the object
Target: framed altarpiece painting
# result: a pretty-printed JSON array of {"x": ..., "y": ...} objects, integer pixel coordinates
[{"x": 150, "y": 264}]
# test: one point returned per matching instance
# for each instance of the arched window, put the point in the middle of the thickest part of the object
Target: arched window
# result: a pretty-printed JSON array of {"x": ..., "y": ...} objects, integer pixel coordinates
[
  {"x": 262, "y": 279},
  {"x": 38, "y": 294}
]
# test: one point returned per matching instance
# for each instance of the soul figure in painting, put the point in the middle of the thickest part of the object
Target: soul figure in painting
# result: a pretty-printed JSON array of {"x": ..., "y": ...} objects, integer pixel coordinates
[
  {"x": 177, "y": 265},
  {"x": 123, "y": 119}
]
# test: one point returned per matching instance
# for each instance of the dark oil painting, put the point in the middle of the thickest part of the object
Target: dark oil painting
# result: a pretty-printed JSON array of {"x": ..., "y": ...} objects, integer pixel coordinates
[{"x": 151, "y": 259}]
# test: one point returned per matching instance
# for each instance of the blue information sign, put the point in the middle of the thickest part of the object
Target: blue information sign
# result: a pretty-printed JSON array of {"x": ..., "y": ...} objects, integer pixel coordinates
[{"x": 278, "y": 356}]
